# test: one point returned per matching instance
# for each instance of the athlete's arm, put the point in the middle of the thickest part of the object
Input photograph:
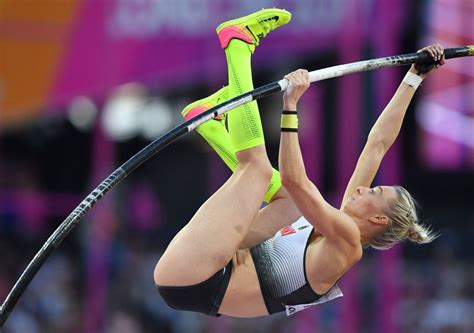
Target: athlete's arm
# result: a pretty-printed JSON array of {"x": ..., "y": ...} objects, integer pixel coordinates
[
  {"x": 329, "y": 221},
  {"x": 387, "y": 127}
]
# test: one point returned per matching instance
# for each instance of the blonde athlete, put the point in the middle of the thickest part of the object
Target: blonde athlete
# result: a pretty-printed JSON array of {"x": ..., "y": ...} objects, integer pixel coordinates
[{"x": 236, "y": 259}]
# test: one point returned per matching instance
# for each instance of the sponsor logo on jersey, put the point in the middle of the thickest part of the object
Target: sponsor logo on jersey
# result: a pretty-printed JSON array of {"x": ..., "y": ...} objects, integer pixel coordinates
[{"x": 288, "y": 230}]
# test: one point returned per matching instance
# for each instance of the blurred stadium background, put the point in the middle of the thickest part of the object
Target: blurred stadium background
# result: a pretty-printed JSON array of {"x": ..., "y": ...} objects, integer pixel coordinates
[{"x": 85, "y": 84}]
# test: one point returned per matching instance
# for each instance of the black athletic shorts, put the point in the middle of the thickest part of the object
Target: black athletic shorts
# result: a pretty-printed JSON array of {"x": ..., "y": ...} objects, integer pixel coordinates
[{"x": 204, "y": 297}]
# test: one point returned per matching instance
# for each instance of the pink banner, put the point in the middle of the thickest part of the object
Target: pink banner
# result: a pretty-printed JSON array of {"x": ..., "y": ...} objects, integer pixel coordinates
[{"x": 168, "y": 43}]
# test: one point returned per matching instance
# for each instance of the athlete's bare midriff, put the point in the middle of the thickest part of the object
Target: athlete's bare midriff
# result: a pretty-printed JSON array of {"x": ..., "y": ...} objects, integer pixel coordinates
[{"x": 243, "y": 297}]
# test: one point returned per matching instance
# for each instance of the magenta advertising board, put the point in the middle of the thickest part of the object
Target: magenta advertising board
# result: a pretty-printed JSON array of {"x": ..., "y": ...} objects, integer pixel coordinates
[
  {"x": 171, "y": 43},
  {"x": 446, "y": 114}
]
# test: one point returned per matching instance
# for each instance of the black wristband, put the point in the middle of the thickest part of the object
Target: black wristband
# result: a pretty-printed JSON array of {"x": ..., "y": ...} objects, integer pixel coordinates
[{"x": 294, "y": 130}]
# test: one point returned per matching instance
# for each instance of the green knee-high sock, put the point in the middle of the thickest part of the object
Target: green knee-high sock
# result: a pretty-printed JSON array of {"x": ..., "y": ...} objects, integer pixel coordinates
[
  {"x": 215, "y": 133},
  {"x": 245, "y": 127},
  {"x": 273, "y": 186}
]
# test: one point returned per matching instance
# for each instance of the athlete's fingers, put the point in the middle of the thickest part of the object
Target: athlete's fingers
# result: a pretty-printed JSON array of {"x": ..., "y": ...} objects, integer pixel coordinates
[{"x": 429, "y": 51}]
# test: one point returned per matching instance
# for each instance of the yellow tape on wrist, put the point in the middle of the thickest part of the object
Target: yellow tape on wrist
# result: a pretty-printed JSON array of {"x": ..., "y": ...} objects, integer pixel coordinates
[{"x": 289, "y": 121}]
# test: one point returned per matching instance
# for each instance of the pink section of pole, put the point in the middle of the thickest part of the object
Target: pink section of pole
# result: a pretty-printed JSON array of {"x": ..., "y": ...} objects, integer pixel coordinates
[{"x": 98, "y": 238}]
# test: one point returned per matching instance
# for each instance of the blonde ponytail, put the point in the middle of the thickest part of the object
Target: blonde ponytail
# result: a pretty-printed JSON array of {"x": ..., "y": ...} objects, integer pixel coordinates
[
  {"x": 403, "y": 224},
  {"x": 421, "y": 234}
]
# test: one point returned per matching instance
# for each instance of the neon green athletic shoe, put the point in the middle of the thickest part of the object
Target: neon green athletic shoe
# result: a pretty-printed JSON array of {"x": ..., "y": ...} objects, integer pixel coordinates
[
  {"x": 196, "y": 108},
  {"x": 252, "y": 28}
]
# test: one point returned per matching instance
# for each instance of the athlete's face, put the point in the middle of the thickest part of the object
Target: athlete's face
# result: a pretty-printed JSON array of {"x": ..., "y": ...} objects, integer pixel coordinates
[{"x": 370, "y": 203}]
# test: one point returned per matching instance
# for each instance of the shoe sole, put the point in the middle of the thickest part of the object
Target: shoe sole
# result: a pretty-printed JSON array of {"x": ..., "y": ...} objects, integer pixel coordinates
[
  {"x": 283, "y": 18},
  {"x": 215, "y": 96}
]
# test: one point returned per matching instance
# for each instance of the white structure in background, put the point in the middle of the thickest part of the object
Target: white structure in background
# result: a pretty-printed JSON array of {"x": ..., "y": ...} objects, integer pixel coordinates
[
  {"x": 156, "y": 118},
  {"x": 82, "y": 113},
  {"x": 130, "y": 112},
  {"x": 121, "y": 117}
]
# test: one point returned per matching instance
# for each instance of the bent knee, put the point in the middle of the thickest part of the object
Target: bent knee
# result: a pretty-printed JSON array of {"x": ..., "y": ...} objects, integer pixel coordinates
[
  {"x": 255, "y": 155},
  {"x": 257, "y": 164}
]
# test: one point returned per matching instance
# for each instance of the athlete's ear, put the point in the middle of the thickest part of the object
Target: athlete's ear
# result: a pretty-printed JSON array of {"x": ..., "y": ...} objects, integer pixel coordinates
[{"x": 381, "y": 220}]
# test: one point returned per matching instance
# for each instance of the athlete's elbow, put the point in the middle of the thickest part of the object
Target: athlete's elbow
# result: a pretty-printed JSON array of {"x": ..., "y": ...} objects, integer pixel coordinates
[
  {"x": 292, "y": 180},
  {"x": 378, "y": 142}
]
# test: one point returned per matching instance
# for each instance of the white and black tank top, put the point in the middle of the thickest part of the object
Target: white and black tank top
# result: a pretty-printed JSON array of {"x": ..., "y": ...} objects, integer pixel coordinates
[{"x": 280, "y": 266}]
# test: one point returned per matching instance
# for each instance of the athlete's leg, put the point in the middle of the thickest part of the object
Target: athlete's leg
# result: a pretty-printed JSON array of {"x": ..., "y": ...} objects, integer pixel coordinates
[
  {"x": 281, "y": 211},
  {"x": 216, "y": 134},
  {"x": 211, "y": 238},
  {"x": 209, "y": 241}
]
